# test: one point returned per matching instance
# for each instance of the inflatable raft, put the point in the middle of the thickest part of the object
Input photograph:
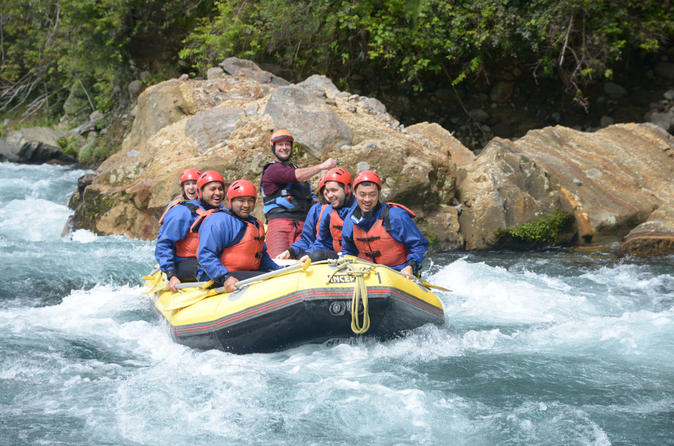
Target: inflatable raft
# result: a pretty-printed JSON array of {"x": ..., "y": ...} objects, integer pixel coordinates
[{"x": 299, "y": 304}]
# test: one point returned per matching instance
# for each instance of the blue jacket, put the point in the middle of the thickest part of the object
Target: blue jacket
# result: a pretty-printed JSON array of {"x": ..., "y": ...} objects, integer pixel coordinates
[
  {"x": 324, "y": 240},
  {"x": 403, "y": 230},
  {"x": 177, "y": 222},
  {"x": 219, "y": 231},
  {"x": 305, "y": 243}
]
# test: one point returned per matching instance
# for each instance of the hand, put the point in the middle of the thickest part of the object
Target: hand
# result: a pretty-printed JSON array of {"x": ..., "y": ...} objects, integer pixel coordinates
[
  {"x": 328, "y": 164},
  {"x": 303, "y": 258},
  {"x": 407, "y": 270},
  {"x": 229, "y": 283},
  {"x": 173, "y": 281},
  {"x": 283, "y": 256}
]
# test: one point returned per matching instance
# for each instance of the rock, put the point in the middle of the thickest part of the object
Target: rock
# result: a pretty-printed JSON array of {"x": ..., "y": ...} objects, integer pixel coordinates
[
  {"x": 135, "y": 88},
  {"x": 159, "y": 106},
  {"x": 605, "y": 121},
  {"x": 669, "y": 95},
  {"x": 664, "y": 120},
  {"x": 292, "y": 108},
  {"x": 502, "y": 91},
  {"x": 212, "y": 127},
  {"x": 320, "y": 82},
  {"x": 665, "y": 69},
  {"x": 215, "y": 73},
  {"x": 34, "y": 145},
  {"x": 247, "y": 68},
  {"x": 614, "y": 91},
  {"x": 654, "y": 237},
  {"x": 500, "y": 189},
  {"x": 452, "y": 146}
]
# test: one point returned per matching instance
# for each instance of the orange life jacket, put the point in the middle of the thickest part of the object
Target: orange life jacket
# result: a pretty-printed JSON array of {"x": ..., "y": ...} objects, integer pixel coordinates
[
  {"x": 377, "y": 245},
  {"x": 175, "y": 202},
  {"x": 320, "y": 216},
  {"x": 247, "y": 254},
  {"x": 336, "y": 225},
  {"x": 189, "y": 246}
]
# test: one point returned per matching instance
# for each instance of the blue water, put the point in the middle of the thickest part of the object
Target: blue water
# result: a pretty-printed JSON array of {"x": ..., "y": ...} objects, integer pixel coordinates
[{"x": 538, "y": 348}]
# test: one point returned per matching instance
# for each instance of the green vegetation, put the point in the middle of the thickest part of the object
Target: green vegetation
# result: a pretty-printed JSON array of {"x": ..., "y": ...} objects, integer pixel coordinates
[
  {"x": 89, "y": 50},
  {"x": 542, "y": 232}
]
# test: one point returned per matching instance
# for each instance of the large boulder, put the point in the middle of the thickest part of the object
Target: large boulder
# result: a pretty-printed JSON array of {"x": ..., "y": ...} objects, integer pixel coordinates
[
  {"x": 654, "y": 237},
  {"x": 34, "y": 145},
  {"x": 610, "y": 180},
  {"x": 225, "y": 124}
]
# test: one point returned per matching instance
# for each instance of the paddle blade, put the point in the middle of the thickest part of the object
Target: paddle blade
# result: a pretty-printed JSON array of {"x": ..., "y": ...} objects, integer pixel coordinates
[{"x": 189, "y": 297}]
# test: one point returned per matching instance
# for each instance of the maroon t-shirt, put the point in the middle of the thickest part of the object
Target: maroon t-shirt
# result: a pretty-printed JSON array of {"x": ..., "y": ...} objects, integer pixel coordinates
[{"x": 275, "y": 176}]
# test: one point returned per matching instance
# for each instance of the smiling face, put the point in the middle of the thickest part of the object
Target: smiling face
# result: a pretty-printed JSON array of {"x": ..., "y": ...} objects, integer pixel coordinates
[
  {"x": 367, "y": 196},
  {"x": 334, "y": 194},
  {"x": 190, "y": 189},
  {"x": 243, "y": 206},
  {"x": 283, "y": 150},
  {"x": 213, "y": 193}
]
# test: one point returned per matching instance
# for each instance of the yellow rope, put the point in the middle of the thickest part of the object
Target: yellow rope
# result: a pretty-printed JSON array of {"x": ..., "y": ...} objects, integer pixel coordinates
[{"x": 359, "y": 294}]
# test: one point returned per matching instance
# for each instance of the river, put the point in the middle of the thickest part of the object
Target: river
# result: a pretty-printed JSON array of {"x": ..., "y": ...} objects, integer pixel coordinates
[{"x": 548, "y": 348}]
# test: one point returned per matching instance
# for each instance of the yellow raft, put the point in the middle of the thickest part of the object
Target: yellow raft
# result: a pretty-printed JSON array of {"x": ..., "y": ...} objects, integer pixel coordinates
[{"x": 299, "y": 304}]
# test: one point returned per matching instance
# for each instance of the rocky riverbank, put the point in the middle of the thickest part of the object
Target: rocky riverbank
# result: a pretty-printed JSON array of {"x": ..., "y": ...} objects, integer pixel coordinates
[{"x": 554, "y": 185}]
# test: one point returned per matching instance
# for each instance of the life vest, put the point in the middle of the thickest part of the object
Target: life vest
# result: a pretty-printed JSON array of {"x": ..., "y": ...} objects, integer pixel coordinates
[
  {"x": 320, "y": 216},
  {"x": 189, "y": 246},
  {"x": 247, "y": 254},
  {"x": 291, "y": 200},
  {"x": 377, "y": 245},
  {"x": 336, "y": 225}
]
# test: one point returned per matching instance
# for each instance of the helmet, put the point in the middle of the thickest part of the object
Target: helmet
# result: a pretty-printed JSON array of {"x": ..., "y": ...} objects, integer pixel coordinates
[
  {"x": 240, "y": 188},
  {"x": 189, "y": 174},
  {"x": 208, "y": 177},
  {"x": 339, "y": 175},
  {"x": 321, "y": 184},
  {"x": 366, "y": 176},
  {"x": 280, "y": 135}
]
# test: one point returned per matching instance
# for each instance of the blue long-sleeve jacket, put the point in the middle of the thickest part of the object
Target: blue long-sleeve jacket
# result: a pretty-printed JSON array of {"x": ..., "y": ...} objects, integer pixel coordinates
[
  {"x": 324, "y": 240},
  {"x": 308, "y": 237},
  {"x": 177, "y": 222},
  {"x": 403, "y": 230},
  {"x": 220, "y": 231}
]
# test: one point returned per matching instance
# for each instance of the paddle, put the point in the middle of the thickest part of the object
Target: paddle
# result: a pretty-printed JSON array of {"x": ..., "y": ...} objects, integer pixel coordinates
[{"x": 190, "y": 299}]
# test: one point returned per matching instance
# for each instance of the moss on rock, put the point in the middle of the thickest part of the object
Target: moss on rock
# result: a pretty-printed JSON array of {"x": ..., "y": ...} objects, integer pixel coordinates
[{"x": 539, "y": 233}]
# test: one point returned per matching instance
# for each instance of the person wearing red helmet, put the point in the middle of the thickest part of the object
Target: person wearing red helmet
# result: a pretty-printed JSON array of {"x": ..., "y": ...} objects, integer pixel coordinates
[
  {"x": 382, "y": 233},
  {"x": 231, "y": 241},
  {"x": 286, "y": 192},
  {"x": 305, "y": 243},
  {"x": 188, "y": 190},
  {"x": 178, "y": 239},
  {"x": 338, "y": 182}
]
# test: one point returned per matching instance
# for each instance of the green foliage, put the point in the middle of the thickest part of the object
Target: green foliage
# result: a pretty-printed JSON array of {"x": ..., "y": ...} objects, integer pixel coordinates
[
  {"x": 49, "y": 47},
  {"x": 412, "y": 41},
  {"x": 70, "y": 145},
  {"x": 542, "y": 232}
]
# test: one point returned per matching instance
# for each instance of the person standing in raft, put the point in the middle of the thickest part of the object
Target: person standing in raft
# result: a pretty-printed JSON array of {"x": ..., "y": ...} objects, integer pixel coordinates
[
  {"x": 286, "y": 193},
  {"x": 188, "y": 190},
  {"x": 304, "y": 244},
  {"x": 382, "y": 233},
  {"x": 338, "y": 194},
  {"x": 177, "y": 243},
  {"x": 231, "y": 241}
]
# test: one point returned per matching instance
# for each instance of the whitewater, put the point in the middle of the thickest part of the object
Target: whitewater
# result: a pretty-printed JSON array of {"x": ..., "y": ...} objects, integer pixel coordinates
[{"x": 549, "y": 348}]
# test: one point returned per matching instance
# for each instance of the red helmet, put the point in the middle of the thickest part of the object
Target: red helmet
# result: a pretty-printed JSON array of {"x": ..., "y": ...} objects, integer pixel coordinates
[
  {"x": 208, "y": 177},
  {"x": 280, "y": 135},
  {"x": 321, "y": 184},
  {"x": 366, "y": 176},
  {"x": 339, "y": 175},
  {"x": 240, "y": 188},
  {"x": 189, "y": 174}
]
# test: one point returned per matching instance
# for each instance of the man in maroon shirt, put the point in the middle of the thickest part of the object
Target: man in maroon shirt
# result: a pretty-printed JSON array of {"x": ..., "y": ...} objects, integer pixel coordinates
[{"x": 286, "y": 193}]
